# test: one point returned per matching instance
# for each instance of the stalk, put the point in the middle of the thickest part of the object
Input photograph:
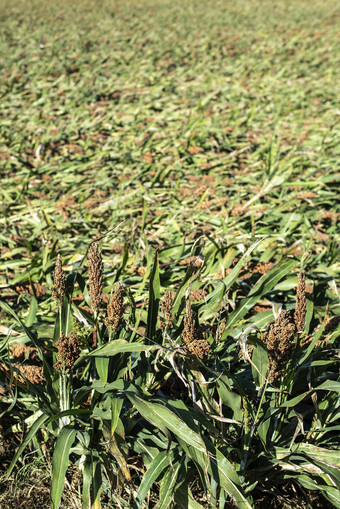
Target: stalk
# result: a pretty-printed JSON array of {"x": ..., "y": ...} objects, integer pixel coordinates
[
  {"x": 261, "y": 395},
  {"x": 64, "y": 400}
]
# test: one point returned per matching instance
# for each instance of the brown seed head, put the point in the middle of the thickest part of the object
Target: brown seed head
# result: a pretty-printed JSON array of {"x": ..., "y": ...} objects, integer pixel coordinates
[
  {"x": 300, "y": 307},
  {"x": 34, "y": 374},
  {"x": 192, "y": 343},
  {"x": 68, "y": 351},
  {"x": 279, "y": 340},
  {"x": 220, "y": 329},
  {"x": 189, "y": 331},
  {"x": 115, "y": 309},
  {"x": 331, "y": 324},
  {"x": 167, "y": 308},
  {"x": 59, "y": 282},
  {"x": 21, "y": 352},
  {"x": 196, "y": 295},
  {"x": 199, "y": 347},
  {"x": 95, "y": 266}
]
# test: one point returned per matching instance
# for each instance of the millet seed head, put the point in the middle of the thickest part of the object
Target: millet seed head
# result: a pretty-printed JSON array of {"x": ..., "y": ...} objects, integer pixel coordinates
[
  {"x": 95, "y": 271},
  {"x": 167, "y": 308},
  {"x": 190, "y": 334},
  {"x": 189, "y": 331},
  {"x": 279, "y": 340},
  {"x": 300, "y": 307},
  {"x": 198, "y": 347},
  {"x": 115, "y": 309},
  {"x": 58, "y": 289},
  {"x": 68, "y": 351}
]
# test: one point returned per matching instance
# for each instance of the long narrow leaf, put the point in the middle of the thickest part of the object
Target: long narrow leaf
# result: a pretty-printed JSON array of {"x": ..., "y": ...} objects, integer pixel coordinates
[
  {"x": 160, "y": 462},
  {"x": 162, "y": 417},
  {"x": 154, "y": 297},
  {"x": 60, "y": 463},
  {"x": 32, "y": 432},
  {"x": 263, "y": 286},
  {"x": 120, "y": 346}
]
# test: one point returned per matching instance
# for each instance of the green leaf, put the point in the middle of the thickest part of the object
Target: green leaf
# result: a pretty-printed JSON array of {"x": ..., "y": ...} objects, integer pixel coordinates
[
  {"x": 87, "y": 479},
  {"x": 111, "y": 443},
  {"x": 294, "y": 401},
  {"x": 123, "y": 263},
  {"x": 102, "y": 366},
  {"x": 231, "y": 278},
  {"x": 60, "y": 463},
  {"x": 154, "y": 297},
  {"x": 311, "y": 346},
  {"x": 329, "y": 456},
  {"x": 162, "y": 417},
  {"x": 230, "y": 398},
  {"x": 229, "y": 480},
  {"x": 65, "y": 413},
  {"x": 221, "y": 470},
  {"x": 27, "y": 331},
  {"x": 329, "y": 385},
  {"x": 260, "y": 359},
  {"x": 97, "y": 483},
  {"x": 332, "y": 494},
  {"x": 266, "y": 283},
  {"x": 181, "y": 291},
  {"x": 32, "y": 312},
  {"x": 66, "y": 316},
  {"x": 208, "y": 310},
  {"x": 116, "y": 407},
  {"x": 168, "y": 485},
  {"x": 32, "y": 432},
  {"x": 120, "y": 346},
  {"x": 158, "y": 464},
  {"x": 185, "y": 499}
]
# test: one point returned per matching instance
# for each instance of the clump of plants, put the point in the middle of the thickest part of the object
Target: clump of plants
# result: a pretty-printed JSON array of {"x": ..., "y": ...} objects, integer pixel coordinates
[{"x": 185, "y": 401}]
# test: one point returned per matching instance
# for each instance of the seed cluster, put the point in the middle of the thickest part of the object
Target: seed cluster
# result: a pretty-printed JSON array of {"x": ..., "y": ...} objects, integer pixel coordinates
[
  {"x": 95, "y": 271},
  {"x": 167, "y": 308},
  {"x": 196, "y": 295},
  {"x": 34, "y": 374},
  {"x": 220, "y": 329},
  {"x": 300, "y": 307},
  {"x": 68, "y": 351},
  {"x": 279, "y": 340},
  {"x": 115, "y": 309},
  {"x": 192, "y": 343},
  {"x": 21, "y": 352},
  {"x": 58, "y": 289},
  {"x": 189, "y": 330}
]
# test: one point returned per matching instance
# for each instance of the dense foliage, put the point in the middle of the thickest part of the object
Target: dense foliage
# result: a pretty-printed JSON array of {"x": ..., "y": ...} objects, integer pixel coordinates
[{"x": 169, "y": 280}]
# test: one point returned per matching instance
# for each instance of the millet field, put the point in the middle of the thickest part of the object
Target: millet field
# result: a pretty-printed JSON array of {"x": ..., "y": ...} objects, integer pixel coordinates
[{"x": 169, "y": 254}]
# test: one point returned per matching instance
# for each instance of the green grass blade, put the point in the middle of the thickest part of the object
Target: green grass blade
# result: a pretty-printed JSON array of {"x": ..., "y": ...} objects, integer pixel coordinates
[
  {"x": 154, "y": 297},
  {"x": 263, "y": 286},
  {"x": 60, "y": 463},
  {"x": 120, "y": 346},
  {"x": 32, "y": 432},
  {"x": 158, "y": 464},
  {"x": 162, "y": 417}
]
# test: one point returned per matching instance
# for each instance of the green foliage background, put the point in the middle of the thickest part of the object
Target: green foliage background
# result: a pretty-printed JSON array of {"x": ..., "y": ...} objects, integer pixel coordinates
[{"x": 182, "y": 129}]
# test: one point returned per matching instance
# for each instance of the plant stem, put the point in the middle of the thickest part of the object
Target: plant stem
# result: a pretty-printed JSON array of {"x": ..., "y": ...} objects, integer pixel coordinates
[
  {"x": 261, "y": 394},
  {"x": 64, "y": 400}
]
